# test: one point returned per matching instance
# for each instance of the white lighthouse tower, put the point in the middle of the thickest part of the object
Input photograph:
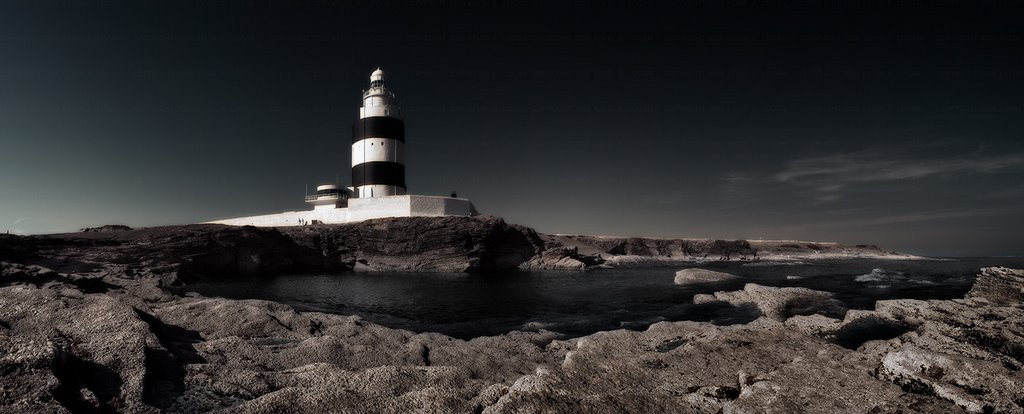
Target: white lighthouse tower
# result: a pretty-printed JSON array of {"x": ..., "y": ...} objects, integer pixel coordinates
[
  {"x": 378, "y": 175},
  {"x": 378, "y": 143}
]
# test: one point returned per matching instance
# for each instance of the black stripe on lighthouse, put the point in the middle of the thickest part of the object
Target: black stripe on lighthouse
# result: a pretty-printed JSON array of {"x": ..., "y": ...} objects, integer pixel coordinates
[
  {"x": 378, "y": 127},
  {"x": 378, "y": 173}
]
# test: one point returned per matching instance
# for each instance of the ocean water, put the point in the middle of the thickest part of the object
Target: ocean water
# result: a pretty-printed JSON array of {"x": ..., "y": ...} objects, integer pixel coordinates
[{"x": 580, "y": 303}]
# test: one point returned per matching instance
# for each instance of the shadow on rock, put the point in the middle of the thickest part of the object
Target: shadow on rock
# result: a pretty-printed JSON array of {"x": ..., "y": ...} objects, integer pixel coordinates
[
  {"x": 854, "y": 334},
  {"x": 85, "y": 386},
  {"x": 724, "y": 313},
  {"x": 165, "y": 368}
]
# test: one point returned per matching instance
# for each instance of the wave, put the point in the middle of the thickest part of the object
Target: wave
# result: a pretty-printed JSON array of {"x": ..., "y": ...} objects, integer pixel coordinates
[
  {"x": 773, "y": 263},
  {"x": 881, "y": 275}
]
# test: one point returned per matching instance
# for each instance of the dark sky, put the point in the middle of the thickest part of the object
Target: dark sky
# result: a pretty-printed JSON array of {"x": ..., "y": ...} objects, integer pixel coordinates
[{"x": 897, "y": 123}]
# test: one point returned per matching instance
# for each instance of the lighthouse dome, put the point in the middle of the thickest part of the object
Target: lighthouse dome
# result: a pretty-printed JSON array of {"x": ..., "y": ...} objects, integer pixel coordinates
[{"x": 377, "y": 75}]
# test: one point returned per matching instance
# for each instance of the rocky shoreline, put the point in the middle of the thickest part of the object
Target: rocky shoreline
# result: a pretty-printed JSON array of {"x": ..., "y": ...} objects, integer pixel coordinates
[
  {"x": 418, "y": 244},
  {"x": 640, "y": 251},
  {"x": 87, "y": 324}
]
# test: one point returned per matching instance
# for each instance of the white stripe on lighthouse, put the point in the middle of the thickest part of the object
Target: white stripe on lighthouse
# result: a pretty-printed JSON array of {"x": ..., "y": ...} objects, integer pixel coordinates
[{"x": 378, "y": 149}]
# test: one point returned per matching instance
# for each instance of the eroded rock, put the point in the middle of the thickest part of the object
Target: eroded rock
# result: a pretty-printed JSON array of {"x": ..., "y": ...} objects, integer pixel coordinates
[
  {"x": 777, "y": 303},
  {"x": 974, "y": 385},
  {"x": 71, "y": 351},
  {"x": 176, "y": 254},
  {"x": 999, "y": 285},
  {"x": 701, "y": 276}
]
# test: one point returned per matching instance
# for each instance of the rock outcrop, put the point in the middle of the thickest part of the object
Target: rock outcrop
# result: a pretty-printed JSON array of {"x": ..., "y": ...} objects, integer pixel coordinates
[
  {"x": 561, "y": 258},
  {"x": 453, "y": 244},
  {"x": 176, "y": 253},
  {"x": 650, "y": 250},
  {"x": 107, "y": 227},
  {"x": 977, "y": 386},
  {"x": 647, "y": 251},
  {"x": 779, "y": 304},
  {"x": 687, "y": 277},
  {"x": 65, "y": 350},
  {"x": 999, "y": 285}
]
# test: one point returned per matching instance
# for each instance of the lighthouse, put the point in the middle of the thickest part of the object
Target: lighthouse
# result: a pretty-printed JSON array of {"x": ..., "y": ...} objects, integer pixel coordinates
[
  {"x": 378, "y": 143},
  {"x": 378, "y": 175}
]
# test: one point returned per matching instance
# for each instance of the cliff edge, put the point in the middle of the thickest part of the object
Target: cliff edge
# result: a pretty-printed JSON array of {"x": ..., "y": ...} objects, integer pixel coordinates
[{"x": 419, "y": 244}]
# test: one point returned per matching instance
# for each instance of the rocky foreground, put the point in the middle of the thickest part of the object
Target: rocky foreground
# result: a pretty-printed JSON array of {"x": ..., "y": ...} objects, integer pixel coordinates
[
  {"x": 87, "y": 325},
  {"x": 66, "y": 347}
]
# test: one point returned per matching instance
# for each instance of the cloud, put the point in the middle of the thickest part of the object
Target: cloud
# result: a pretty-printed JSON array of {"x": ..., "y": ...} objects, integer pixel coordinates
[
  {"x": 734, "y": 182},
  {"x": 18, "y": 220},
  {"x": 840, "y": 169},
  {"x": 827, "y": 176},
  {"x": 864, "y": 219},
  {"x": 931, "y": 216}
]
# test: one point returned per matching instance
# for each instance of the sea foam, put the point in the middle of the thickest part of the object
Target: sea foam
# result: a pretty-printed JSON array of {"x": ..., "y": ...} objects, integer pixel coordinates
[{"x": 881, "y": 275}]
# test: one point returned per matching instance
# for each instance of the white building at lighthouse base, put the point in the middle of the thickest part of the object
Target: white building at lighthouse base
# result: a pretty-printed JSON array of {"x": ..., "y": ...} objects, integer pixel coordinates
[{"x": 359, "y": 209}]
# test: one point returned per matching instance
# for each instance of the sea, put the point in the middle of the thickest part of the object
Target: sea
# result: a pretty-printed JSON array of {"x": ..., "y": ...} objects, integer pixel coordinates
[{"x": 468, "y": 305}]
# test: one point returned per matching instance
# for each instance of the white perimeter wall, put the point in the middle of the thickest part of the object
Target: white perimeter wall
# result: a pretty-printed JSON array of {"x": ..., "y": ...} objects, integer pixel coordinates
[
  {"x": 374, "y": 207},
  {"x": 360, "y": 209},
  {"x": 440, "y": 206}
]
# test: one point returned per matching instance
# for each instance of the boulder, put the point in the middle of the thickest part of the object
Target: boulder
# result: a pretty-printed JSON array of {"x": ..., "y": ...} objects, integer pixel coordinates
[
  {"x": 999, "y": 285},
  {"x": 688, "y": 277},
  {"x": 777, "y": 303},
  {"x": 974, "y": 385},
  {"x": 562, "y": 258}
]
